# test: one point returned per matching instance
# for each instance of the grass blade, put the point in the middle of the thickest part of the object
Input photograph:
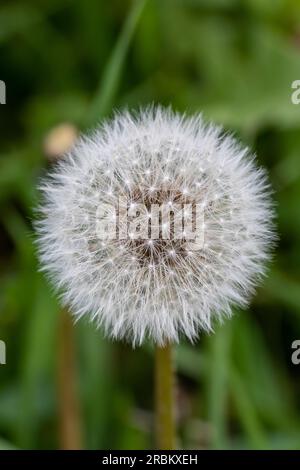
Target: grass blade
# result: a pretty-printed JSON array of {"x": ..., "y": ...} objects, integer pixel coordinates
[{"x": 108, "y": 88}]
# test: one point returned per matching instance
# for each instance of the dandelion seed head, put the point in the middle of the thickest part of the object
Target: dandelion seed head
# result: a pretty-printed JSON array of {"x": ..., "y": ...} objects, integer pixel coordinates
[{"x": 135, "y": 287}]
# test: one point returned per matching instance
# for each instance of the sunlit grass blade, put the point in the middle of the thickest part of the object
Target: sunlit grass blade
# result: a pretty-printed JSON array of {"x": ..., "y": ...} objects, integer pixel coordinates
[
  {"x": 217, "y": 383},
  {"x": 97, "y": 383},
  {"x": 5, "y": 445},
  {"x": 108, "y": 87},
  {"x": 246, "y": 412}
]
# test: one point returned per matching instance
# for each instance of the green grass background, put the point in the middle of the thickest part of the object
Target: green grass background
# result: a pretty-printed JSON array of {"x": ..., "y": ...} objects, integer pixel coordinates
[{"x": 75, "y": 61}]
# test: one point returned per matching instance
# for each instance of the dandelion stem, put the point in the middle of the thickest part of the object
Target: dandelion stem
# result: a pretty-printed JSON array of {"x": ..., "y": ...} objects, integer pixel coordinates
[{"x": 164, "y": 396}]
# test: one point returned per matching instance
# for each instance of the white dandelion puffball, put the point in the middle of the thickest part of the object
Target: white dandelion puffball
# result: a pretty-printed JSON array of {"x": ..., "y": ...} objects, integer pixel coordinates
[{"x": 154, "y": 225}]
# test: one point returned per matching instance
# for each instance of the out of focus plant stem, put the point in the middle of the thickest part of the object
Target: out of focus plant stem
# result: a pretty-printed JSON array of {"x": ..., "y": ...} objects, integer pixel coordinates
[
  {"x": 69, "y": 409},
  {"x": 57, "y": 142},
  {"x": 164, "y": 398}
]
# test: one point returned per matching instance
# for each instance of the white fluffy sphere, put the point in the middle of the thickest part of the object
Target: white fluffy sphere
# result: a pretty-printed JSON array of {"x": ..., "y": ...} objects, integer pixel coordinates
[{"x": 137, "y": 286}]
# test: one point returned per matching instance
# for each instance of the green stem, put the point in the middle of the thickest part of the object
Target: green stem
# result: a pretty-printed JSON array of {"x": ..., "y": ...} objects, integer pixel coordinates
[{"x": 164, "y": 396}]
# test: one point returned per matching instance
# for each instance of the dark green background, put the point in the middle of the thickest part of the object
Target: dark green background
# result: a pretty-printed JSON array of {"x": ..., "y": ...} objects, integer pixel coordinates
[{"x": 73, "y": 61}]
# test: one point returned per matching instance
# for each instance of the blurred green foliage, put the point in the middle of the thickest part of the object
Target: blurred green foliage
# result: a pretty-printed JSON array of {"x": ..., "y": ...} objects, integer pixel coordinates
[{"x": 73, "y": 61}]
